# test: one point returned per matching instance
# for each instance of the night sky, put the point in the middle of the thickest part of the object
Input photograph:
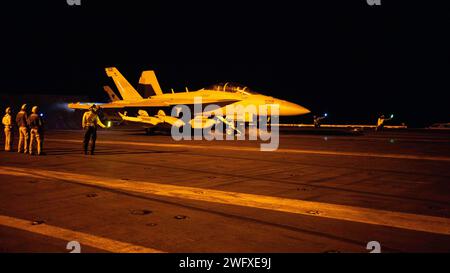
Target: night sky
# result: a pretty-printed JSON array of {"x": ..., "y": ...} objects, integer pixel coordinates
[{"x": 346, "y": 58}]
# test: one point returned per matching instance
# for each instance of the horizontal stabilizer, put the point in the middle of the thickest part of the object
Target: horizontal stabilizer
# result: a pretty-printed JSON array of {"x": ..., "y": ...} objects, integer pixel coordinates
[{"x": 79, "y": 106}]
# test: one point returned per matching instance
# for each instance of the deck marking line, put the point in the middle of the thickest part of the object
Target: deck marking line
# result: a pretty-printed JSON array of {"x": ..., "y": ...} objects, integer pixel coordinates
[
  {"x": 416, "y": 222},
  {"x": 84, "y": 239},
  {"x": 251, "y": 149}
]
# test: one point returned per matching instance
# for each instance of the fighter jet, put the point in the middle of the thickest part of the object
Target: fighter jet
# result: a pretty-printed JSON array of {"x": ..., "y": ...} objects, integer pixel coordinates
[{"x": 152, "y": 108}]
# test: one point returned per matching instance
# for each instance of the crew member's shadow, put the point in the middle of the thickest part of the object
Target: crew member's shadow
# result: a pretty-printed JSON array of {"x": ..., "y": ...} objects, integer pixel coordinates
[{"x": 59, "y": 152}]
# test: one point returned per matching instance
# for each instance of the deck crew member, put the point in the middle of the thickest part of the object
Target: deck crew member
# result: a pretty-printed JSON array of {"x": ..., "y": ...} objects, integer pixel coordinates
[
  {"x": 37, "y": 131},
  {"x": 22, "y": 123},
  {"x": 318, "y": 121},
  {"x": 380, "y": 123},
  {"x": 7, "y": 122},
  {"x": 89, "y": 123}
]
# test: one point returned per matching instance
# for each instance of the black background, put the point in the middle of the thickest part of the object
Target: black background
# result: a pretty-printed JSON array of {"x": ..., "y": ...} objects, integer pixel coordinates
[{"x": 346, "y": 58}]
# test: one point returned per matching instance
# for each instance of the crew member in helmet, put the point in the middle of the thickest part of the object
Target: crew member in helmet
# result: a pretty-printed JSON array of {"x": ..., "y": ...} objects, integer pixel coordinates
[
  {"x": 318, "y": 121},
  {"x": 90, "y": 122},
  {"x": 22, "y": 123},
  {"x": 37, "y": 131},
  {"x": 7, "y": 122},
  {"x": 380, "y": 122}
]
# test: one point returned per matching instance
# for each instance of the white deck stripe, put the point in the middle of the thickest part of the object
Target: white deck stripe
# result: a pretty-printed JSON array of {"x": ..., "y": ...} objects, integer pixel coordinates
[
  {"x": 394, "y": 219},
  {"x": 252, "y": 149},
  {"x": 84, "y": 239}
]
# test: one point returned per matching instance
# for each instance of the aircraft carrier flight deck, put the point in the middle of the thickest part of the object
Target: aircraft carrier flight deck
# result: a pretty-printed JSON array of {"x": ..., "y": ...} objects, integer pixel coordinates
[{"x": 319, "y": 192}]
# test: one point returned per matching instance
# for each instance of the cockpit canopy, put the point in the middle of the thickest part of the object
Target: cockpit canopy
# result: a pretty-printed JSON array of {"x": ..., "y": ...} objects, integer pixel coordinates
[{"x": 232, "y": 88}]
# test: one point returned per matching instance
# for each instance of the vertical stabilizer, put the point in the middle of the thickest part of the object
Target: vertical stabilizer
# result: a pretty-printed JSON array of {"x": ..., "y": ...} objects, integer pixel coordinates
[
  {"x": 125, "y": 88},
  {"x": 149, "y": 85},
  {"x": 112, "y": 96}
]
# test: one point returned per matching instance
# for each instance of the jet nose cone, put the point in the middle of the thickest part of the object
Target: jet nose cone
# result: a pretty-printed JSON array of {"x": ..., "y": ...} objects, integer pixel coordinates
[{"x": 292, "y": 109}]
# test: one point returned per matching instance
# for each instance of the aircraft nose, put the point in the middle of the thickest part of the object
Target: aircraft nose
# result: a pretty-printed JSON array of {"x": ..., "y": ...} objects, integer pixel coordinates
[{"x": 292, "y": 109}]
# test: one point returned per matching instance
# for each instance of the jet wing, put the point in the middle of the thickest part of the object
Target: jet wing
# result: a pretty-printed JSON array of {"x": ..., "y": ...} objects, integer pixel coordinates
[
  {"x": 148, "y": 103},
  {"x": 118, "y": 105},
  {"x": 220, "y": 102},
  {"x": 155, "y": 102},
  {"x": 86, "y": 106}
]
